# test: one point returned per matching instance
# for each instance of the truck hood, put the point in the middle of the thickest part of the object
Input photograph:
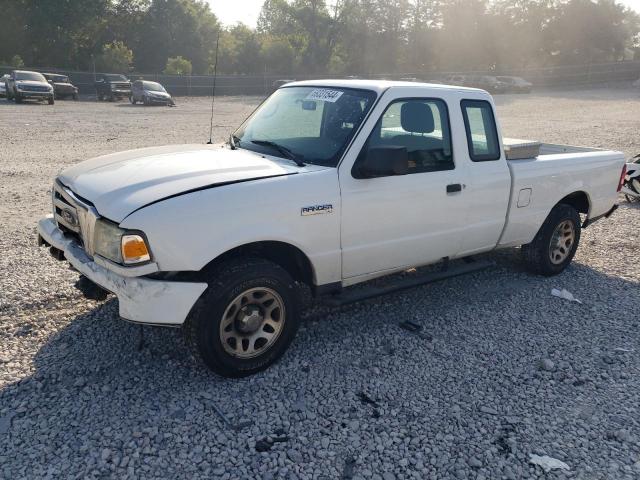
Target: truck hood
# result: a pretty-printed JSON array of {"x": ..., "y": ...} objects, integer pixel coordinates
[{"x": 120, "y": 183}]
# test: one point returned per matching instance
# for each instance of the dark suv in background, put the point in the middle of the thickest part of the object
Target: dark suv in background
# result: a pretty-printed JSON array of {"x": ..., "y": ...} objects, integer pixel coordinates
[
  {"x": 112, "y": 86},
  {"x": 62, "y": 87}
]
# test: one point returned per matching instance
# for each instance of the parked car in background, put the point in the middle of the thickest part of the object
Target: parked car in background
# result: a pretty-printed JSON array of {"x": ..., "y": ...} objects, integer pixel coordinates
[
  {"x": 515, "y": 84},
  {"x": 459, "y": 80},
  {"x": 485, "y": 82},
  {"x": 112, "y": 86},
  {"x": 149, "y": 93},
  {"x": 3, "y": 85},
  {"x": 23, "y": 84},
  {"x": 62, "y": 87}
]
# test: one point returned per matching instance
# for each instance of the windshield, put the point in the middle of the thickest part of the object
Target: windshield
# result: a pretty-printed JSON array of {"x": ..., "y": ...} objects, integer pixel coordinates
[
  {"x": 115, "y": 78},
  {"x": 58, "y": 78},
  {"x": 35, "y": 76},
  {"x": 153, "y": 86},
  {"x": 314, "y": 124}
]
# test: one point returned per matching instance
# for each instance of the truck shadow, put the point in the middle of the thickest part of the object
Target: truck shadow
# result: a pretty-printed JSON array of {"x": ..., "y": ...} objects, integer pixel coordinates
[{"x": 95, "y": 372}]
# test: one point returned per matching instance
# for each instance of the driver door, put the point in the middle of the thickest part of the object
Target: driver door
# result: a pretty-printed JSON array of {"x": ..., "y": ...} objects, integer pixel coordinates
[{"x": 399, "y": 221}]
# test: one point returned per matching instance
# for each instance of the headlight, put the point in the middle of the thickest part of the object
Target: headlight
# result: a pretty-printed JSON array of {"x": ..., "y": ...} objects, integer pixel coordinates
[{"x": 118, "y": 245}]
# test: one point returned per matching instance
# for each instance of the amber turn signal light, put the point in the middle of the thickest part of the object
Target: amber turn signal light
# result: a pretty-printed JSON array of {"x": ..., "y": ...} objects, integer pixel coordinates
[{"x": 134, "y": 249}]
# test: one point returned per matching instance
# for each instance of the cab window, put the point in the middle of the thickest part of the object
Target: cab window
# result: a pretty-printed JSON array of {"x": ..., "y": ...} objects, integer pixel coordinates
[{"x": 420, "y": 125}]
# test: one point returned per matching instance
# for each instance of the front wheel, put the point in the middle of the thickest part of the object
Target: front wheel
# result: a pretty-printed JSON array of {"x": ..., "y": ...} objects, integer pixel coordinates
[
  {"x": 246, "y": 318},
  {"x": 555, "y": 245}
]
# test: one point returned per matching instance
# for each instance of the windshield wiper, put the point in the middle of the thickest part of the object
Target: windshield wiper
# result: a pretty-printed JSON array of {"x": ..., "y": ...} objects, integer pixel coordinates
[{"x": 282, "y": 149}]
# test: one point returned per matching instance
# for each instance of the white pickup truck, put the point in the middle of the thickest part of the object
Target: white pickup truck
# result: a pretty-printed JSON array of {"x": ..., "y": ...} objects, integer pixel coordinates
[{"x": 327, "y": 183}]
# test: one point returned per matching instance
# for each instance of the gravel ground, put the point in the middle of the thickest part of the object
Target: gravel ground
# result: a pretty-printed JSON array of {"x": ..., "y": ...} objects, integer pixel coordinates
[{"x": 502, "y": 370}]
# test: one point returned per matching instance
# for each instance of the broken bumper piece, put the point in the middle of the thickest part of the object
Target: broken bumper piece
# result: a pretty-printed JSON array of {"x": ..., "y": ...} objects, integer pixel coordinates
[{"x": 141, "y": 299}]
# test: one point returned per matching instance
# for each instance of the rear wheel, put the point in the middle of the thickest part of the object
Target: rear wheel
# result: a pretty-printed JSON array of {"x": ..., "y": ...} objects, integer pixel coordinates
[
  {"x": 246, "y": 318},
  {"x": 555, "y": 245}
]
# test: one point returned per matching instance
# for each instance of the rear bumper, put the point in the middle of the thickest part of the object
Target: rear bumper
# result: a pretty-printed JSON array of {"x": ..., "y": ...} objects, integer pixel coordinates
[
  {"x": 160, "y": 101},
  {"x": 140, "y": 299}
]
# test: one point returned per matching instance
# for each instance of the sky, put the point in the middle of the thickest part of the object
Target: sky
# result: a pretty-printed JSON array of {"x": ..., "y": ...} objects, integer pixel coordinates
[{"x": 231, "y": 12}]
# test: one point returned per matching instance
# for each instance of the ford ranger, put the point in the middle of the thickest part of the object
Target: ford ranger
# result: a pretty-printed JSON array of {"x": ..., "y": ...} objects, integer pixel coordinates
[{"x": 329, "y": 184}]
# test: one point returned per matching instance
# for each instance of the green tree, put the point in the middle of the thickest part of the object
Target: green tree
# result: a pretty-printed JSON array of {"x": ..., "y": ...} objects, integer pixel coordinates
[
  {"x": 178, "y": 66},
  {"x": 16, "y": 61},
  {"x": 277, "y": 54},
  {"x": 172, "y": 28},
  {"x": 115, "y": 57}
]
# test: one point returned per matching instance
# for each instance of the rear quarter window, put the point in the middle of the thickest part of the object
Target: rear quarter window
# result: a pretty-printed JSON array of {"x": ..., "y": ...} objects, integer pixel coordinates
[{"x": 481, "y": 130}]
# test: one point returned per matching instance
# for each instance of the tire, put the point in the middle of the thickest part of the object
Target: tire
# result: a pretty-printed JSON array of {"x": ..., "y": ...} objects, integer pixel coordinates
[
  {"x": 555, "y": 244},
  {"x": 100, "y": 97},
  {"x": 17, "y": 98},
  {"x": 51, "y": 100},
  {"x": 236, "y": 288},
  {"x": 75, "y": 96}
]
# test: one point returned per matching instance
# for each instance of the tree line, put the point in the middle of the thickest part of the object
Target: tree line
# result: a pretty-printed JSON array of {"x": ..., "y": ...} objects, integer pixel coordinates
[{"x": 317, "y": 36}]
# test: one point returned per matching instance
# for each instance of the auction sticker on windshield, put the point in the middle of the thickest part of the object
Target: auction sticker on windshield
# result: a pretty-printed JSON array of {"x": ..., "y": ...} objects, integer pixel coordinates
[{"x": 324, "y": 94}]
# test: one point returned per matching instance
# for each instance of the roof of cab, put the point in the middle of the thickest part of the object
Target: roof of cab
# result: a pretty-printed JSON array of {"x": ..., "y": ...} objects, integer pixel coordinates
[{"x": 378, "y": 86}]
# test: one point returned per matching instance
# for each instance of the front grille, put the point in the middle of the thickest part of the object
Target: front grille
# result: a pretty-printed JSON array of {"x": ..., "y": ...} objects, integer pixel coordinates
[
  {"x": 34, "y": 88},
  {"x": 121, "y": 86},
  {"x": 74, "y": 216}
]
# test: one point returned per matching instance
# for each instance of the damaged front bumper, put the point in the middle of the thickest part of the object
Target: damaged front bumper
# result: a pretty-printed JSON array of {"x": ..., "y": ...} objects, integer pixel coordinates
[{"x": 140, "y": 299}]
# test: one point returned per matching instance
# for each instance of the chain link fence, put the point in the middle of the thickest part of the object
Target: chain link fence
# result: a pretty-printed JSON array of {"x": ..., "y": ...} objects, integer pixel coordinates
[{"x": 201, "y": 85}]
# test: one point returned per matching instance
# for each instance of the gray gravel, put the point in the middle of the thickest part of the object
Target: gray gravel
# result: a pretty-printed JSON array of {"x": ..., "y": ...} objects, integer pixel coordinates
[{"x": 504, "y": 371}]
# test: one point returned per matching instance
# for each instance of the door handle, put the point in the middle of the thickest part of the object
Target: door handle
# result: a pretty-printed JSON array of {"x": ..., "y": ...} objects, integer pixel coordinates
[{"x": 454, "y": 188}]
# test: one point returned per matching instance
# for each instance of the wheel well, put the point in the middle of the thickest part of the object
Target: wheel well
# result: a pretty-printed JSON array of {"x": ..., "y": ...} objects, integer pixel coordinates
[
  {"x": 579, "y": 201},
  {"x": 291, "y": 258}
]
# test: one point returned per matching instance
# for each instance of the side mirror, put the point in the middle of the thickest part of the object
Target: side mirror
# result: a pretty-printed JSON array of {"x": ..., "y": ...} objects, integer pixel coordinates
[{"x": 382, "y": 162}]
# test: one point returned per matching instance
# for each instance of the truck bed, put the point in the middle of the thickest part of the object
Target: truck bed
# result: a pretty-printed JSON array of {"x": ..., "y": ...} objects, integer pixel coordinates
[{"x": 540, "y": 182}]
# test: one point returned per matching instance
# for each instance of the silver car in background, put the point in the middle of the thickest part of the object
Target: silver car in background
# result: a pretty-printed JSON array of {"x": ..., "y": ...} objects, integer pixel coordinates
[
  {"x": 149, "y": 93},
  {"x": 3, "y": 85},
  {"x": 22, "y": 85},
  {"x": 515, "y": 84}
]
